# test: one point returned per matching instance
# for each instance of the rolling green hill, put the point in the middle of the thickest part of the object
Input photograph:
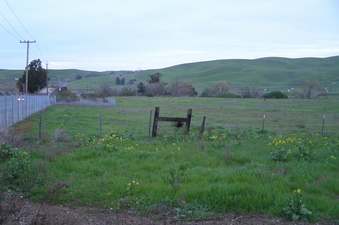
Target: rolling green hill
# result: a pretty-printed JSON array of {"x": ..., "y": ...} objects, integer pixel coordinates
[{"x": 272, "y": 73}]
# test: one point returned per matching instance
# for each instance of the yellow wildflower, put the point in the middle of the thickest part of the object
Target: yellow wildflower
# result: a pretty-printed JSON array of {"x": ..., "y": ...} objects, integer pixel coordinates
[{"x": 298, "y": 191}]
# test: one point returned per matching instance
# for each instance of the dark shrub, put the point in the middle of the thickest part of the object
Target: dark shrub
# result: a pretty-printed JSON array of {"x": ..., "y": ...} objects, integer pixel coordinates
[
  {"x": 228, "y": 95},
  {"x": 275, "y": 94},
  {"x": 204, "y": 94}
]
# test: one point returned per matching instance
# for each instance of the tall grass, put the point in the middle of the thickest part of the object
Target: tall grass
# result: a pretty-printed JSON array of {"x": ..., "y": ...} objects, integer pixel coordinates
[
  {"x": 227, "y": 169},
  {"x": 175, "y": 171}
]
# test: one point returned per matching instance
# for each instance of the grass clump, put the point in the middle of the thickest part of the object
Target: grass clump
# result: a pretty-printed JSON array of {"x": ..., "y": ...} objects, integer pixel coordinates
[
  {"x": 15, "y": 168},
  {"x": 296, "y": 210},
  {"x": 175, "y": 172}
]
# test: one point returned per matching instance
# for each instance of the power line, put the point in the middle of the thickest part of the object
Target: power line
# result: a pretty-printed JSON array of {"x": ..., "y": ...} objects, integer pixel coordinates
[
  {"x": 10, "y": 32},
  {"x": 11, "y": 26},
  {"x": 24, "y": 29},
  {"x": 19, "y": 20}
]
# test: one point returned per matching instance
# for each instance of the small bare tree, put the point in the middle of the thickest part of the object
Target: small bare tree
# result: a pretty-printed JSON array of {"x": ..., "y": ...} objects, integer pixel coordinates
[
  {"x": 181, "y": 88},
  {"x": 308, "y": 87},
  {"x": 247, "y": 92},
  {"x": 128, "y": 91},
  {"x": 105, "y": 90}
]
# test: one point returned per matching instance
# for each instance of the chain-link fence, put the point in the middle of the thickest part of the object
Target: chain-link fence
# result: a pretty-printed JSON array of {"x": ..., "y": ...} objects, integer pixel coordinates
[
  {"x": 16, "y": 107},
  {"x": 86, "y": 101}
]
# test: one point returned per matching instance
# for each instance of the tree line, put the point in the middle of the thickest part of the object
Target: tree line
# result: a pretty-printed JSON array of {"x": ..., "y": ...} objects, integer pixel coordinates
[{"x": 37, "y": 80}]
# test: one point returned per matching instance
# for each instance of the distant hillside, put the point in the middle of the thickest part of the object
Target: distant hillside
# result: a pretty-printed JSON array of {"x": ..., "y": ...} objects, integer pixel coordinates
[{"x": 271, "y": 73}]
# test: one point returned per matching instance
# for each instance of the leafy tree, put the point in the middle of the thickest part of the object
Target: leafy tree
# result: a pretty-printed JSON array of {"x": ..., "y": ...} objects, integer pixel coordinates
[
  {"x": 117, "y": 81},
  {"x": 130, "y": 82},
  {"x": 78, "y": 77},
  {"x": 36, "y": 78},
  {"x": 155, "y": 78},
  {"x": 141, "y": 88},
  {"x": 122, "y": 81},
  {"x": 221, "y": 87},
  {"x": 157, "y": 88}
]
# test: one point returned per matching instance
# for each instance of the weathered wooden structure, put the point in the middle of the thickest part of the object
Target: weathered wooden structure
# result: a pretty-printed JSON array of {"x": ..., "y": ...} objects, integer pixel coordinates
[{"x": 157, "y": 118}]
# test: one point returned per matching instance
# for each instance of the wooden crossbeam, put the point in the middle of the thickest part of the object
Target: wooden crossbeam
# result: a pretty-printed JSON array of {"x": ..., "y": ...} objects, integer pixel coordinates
[{"x": 157, "y": 118}]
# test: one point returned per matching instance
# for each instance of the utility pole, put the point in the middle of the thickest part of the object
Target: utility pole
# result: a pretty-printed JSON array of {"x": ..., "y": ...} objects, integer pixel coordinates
[
  {"x": 47, "y": 77},
  {"x": 26, "y": 90}
]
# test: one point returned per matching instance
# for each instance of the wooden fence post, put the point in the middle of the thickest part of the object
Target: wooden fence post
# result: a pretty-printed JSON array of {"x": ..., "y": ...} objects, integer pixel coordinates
[
  {"x": 188, "y": 122},
  {"x": 202, "y": 126},
  {"x": 150, "y": 124},
  {"x": 263, "y": 125},
  {"x": 155, "y": 122},
  {"x": 322, "y": 128}
]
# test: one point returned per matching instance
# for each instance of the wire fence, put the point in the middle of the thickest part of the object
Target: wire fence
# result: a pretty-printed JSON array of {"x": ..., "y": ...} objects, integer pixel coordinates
[
  {"x": 16, "y": 107},
  {"x": 86, "y": 101}
]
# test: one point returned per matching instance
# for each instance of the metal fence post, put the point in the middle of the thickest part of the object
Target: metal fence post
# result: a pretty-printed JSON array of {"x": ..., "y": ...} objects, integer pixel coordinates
[
  {"x": 6, "y": 113},
  {"x": 12, "y": 109},
  {"x": 17, "y": 106}
]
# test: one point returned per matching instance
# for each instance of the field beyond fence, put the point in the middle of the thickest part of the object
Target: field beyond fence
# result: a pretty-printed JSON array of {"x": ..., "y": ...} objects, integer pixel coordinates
[
  {"x": 234, "y": 115},
  {"x": 277, "y": 157}
]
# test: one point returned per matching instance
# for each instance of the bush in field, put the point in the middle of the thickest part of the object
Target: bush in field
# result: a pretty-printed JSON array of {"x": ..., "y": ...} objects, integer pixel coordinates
[
  {"x": 128, "y": 91},
  {"x": 204, "y": 94},
  {"x": 66, "y": 94},
  {"x": 181, "y": 88},
  {"x": 275, "y": 94},
  {"x": 15, "y": 166},
  {"x": 228, "y": 95},
  {"x": 208, "y": 92}
]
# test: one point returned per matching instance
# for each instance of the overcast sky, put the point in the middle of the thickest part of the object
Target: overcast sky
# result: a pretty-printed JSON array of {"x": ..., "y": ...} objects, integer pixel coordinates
[{"x": 105, "y": 35}]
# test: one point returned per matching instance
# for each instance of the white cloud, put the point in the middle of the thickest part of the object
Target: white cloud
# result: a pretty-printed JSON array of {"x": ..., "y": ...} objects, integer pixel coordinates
[{"x": 124, "y": 34}]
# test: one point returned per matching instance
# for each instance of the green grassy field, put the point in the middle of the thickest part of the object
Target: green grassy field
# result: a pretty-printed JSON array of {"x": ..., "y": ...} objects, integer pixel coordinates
[
  {"x": 232, "y": 115},
  {"x": 232, "y": 167}
]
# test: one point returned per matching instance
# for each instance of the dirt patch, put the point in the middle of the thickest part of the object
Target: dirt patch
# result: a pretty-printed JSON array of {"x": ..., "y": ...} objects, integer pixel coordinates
[
  {"x": 18, "y": 210},
  {"x": 21, "y": 127}
]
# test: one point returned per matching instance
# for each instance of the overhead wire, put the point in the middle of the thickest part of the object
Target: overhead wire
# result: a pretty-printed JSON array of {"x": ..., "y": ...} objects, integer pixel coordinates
[
  {"x": 30, "y": 47},
  {"x": 9, "y": 32},
  {"x": 18, "y": 19},
  {"x": 11, "y": 25}
]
